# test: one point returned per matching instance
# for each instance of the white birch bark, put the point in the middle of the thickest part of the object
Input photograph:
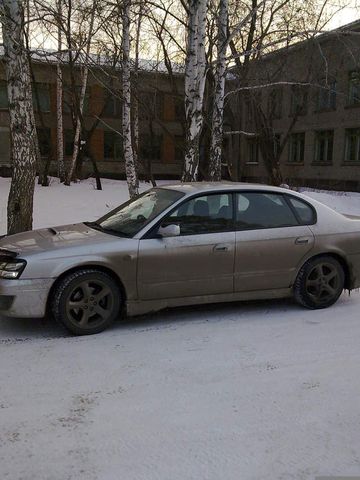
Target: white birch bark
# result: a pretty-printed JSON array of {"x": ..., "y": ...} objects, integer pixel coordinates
[
  {"x": 219, "y": 91},
  {"x": 135, "y": 98},
  {"x": 130, "y": 168},
  {"x": 22, "y": 127},
  {"x": 59, "y": 104},
  {"x": 85, "y": 73},
  {"x": 195, "y": 78},
  {"x": 42, "y": 179}
]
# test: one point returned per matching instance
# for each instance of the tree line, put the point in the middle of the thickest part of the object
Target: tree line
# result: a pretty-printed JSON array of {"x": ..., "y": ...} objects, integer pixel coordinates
[{"x": 211, "y": 41}]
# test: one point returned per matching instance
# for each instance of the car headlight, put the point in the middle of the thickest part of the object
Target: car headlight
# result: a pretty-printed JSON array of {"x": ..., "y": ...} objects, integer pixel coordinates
[{"x": 12, "y": 268}]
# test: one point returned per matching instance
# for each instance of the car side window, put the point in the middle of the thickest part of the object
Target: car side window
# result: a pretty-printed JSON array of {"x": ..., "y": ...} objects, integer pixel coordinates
[
  {"x": 256, "y": 210},
  {"x": 205, "y": 214},
  {"x": 305, "y": 213}
]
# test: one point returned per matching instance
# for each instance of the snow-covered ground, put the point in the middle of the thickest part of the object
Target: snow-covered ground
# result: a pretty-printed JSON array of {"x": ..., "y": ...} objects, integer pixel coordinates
[
  {"x": 250, "y": 391},
  {"x": 59, "y": 205}
]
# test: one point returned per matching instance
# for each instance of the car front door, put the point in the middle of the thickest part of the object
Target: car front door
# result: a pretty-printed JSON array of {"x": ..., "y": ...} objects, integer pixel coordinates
[
  {"x": 200, "y": 261},
  {"x": 272, "y": 238}
]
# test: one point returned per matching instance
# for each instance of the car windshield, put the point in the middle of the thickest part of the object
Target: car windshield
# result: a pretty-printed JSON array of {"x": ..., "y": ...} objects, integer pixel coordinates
[{"x": 132, "y": 216}]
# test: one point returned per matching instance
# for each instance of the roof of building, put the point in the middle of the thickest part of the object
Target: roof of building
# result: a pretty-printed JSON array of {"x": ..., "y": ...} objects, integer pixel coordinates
[
  {"x": 347, "y": 29},
  {"x": 100, "y": 61}
]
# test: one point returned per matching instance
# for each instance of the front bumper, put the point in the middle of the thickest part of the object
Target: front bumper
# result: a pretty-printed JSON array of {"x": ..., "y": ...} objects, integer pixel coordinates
[{"x": 24, "y": 298}]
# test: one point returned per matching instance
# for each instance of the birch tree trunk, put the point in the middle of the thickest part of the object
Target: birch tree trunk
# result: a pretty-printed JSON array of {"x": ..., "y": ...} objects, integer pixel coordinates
[
  {"x": 59, "y": 103},
  {"x": 218, "y": 102},
  {"x": 42, "y": 179},
  {"x": 85, "y": 73},
  {"x": 22, "y": 127},
  {"x": 195, "y": 78},
  {"x": 135, "y": 98},
  {"x": 130, "y": 168}
]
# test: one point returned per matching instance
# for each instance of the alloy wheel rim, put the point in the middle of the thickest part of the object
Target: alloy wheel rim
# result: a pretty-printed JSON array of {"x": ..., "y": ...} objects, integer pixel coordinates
[
  {"x": 90, "y": 304},
  {"x": 322, "y": 283}
]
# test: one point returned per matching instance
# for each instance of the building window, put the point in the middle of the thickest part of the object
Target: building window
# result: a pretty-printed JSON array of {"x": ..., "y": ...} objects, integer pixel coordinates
[
  {"x": 113, "y": 146},
  {"x": 297, "y": 148},
  {"x": 41, "y": 97},
  {"x": 150, "y": 147},
  {"x": 299, "y": 99},
  {"x": 324, "y": 147},
  {"x": 68, "y": 99},
  {"x": 252, "y": 146},
  {"x": 4, "y": 103},
  {"x": 253, "y": 105},
  {"x": 275, "y": 103},
  {"x": 352, "y": 145},
  {"x": 44, "y": 139},
  {"x": 112, "y": 106},
  {"x": 151, "y": 105},
  {"x": 354, "y": 88},
  {"x": 326, "y": 99}
]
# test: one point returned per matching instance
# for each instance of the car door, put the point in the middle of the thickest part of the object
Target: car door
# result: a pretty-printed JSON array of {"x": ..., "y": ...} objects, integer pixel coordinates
[
  {"x": 272, "y": 238},
  {"x": 200, "y": 261}
]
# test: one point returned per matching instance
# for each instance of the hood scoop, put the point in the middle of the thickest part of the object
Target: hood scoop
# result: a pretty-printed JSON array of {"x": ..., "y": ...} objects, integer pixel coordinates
[
  {"x": 6, "y": 254},
  {"x": 48, "y": 232}
]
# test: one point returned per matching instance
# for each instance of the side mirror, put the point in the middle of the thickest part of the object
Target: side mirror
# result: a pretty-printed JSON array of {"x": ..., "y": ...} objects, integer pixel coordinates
[{"x": 169, "y": 231}]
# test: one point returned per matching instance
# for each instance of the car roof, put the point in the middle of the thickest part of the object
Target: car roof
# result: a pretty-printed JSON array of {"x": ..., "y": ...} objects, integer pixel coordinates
[{"x": 194, "y": 187}]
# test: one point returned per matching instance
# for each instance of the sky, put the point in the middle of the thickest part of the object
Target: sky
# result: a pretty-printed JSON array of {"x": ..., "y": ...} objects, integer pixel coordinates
[
  {"x": 348, "y": 14},
  {"x": 347, "y": 11}
]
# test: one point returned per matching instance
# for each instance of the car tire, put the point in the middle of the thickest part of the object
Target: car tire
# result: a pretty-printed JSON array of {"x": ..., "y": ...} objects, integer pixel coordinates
[
  {"x": 319, "y": 282},
  {"x": 86, "y": 301}
]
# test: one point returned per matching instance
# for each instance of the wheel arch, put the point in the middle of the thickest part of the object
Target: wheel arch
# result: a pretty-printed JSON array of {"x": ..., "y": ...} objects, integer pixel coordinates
[
  {"x": 343, "y": 262},
  {"x": 90, "y": 266}
]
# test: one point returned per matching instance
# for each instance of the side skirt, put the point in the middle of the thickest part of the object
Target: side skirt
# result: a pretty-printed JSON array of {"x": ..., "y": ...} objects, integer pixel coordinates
[{"x": 141, "y": 307}]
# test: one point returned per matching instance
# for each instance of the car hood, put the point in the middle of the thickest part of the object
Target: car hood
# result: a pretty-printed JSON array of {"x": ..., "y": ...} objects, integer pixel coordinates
[{"x": 53, "y": 238}]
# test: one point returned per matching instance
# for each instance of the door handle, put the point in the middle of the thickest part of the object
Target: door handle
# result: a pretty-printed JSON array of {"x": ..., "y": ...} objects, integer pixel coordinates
[
  {"x": 221, "y": 248},
  {"x": 302, "y": 241}
]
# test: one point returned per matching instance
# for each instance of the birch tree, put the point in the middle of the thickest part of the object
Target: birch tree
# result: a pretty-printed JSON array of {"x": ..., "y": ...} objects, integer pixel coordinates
[
  {"x": 195, "y": 79},
  {"x": 59, "y": 101},
  {"x": 84, "y": 79},
  {"x": 130, "y": 167},
  {"x": 135, "y": 92},
  {"x": 219, "y": 90},
  {"x": 274, "y": 24},
  {"x": 22, "y": 127}
]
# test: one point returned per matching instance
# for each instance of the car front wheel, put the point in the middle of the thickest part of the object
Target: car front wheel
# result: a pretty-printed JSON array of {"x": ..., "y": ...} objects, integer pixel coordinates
[
  {"x": 319, "y": 283},
  {"x": 86, "y": 301}
]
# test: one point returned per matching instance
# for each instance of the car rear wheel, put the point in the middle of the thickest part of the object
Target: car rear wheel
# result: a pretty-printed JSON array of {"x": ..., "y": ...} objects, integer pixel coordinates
[
  {"x": 319, "y": 282},
  {"x": 86, "y": 301}
]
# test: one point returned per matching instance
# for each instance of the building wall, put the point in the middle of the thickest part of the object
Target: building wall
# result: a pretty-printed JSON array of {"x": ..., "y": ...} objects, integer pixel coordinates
[
  {"x": 329, "y": 58},
  {"x": 162, "y": 123}
]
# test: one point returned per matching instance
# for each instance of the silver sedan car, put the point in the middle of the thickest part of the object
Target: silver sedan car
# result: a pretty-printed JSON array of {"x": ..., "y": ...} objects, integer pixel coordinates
[{"x": 181, "y": 245}]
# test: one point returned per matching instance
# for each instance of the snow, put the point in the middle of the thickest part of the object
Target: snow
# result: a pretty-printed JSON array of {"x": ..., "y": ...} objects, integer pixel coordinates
[
  {"x": 251, "y": 390},
  {"x": 60, "y": 205}
]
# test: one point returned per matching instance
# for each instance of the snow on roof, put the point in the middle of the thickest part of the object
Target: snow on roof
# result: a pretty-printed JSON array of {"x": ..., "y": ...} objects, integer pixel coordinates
[{"x": 98, "y": 60}]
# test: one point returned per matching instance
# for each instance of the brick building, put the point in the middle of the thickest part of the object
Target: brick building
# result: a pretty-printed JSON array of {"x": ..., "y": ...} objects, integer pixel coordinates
[
  {"x": 160, "y": 111},
  {"x": 310, "y": 94}
]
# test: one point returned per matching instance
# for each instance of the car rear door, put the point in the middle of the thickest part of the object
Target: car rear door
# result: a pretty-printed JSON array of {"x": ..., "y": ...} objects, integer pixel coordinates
[
  {"x": 271, "y": 240},
  {"x": 200, "y": 261}
]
